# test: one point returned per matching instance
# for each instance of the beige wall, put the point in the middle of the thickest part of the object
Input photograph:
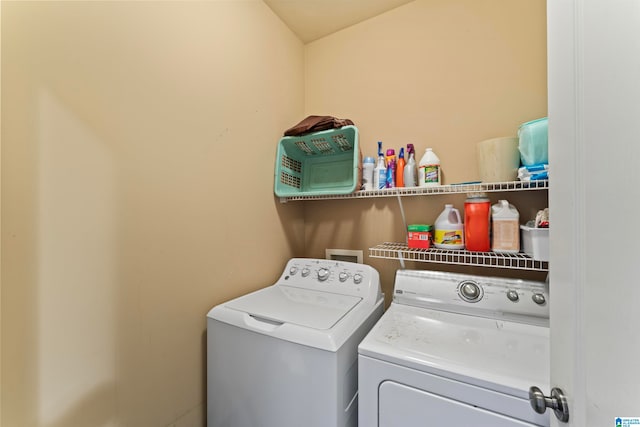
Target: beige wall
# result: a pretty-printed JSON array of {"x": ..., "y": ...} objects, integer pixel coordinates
[
  {"x": 122, "y": 222},
  {"x": 436, "y": 73},
  {"x": 138, "y": 141}
]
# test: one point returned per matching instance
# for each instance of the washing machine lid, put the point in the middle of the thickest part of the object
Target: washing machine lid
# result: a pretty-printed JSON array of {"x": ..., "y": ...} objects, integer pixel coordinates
[
  {"x": 303, "y": 307},
  {"x": 500, "y": 355}
]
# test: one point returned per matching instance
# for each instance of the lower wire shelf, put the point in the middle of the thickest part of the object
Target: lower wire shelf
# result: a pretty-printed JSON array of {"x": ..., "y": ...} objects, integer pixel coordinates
[{"x": 401, "y": 251}]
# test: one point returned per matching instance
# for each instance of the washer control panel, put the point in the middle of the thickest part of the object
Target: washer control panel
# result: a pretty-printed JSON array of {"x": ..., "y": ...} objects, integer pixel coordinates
[
  {"x": 339, "y": 277},
  {"x": 485, "y": 296}
]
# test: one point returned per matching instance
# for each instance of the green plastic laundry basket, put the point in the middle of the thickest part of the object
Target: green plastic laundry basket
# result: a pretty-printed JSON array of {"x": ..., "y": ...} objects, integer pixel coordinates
[{"x": 319, "y": 163}]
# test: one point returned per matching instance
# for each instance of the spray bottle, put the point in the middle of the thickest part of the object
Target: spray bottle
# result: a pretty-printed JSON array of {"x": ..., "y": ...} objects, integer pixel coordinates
[
  {"x": 400, "y": 169},
  {"x": 391, "y": 168},
  {"x": 380, "y": 171},
  {"x": 410, "y": 169}
]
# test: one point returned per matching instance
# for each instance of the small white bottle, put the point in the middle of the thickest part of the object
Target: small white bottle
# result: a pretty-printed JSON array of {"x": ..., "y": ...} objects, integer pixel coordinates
[
  {"x": 429, "y": 173},
  {"x": 367, "y": 173}
]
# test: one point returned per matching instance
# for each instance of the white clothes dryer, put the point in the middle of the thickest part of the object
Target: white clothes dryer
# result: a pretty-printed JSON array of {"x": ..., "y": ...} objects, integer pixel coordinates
[
  {"x": 456, "y": 350},
  {"x": 286, "y": 355}
]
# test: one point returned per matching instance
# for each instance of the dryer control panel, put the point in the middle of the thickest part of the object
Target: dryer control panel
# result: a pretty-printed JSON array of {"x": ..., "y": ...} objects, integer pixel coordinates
[
  {"x": 494, "y": 297},
  {"x": 340, "y": 277}
]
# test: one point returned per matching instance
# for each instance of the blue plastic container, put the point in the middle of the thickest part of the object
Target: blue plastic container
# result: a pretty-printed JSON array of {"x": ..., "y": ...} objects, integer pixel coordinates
[
  {"x": 319, "y": 163},
  {"x": 533, "y": 142}
]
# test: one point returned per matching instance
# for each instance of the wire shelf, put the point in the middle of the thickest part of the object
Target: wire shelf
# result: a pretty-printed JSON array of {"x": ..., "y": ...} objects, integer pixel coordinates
[
  {"x": 519, "y": 261},
  {"x": 485, "y": 187}
]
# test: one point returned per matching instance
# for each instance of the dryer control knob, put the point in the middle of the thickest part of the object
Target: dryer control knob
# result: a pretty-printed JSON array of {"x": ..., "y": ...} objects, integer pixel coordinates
[
  {"x": 513, "y": 295},
  {"x": 538, "y": 299},
  {"x": 293, "y": 271},
  {"x": 323, "y": 274},
  {"x": 470, "y": 291},
  {"x": 305, "y": 272},
  {"x": 357, "y": 278},
  {"x": 343, "y": 276}
]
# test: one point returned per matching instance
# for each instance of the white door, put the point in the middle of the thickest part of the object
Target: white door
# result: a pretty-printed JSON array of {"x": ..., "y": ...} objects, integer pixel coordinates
[{"x": 594, "y": 134}]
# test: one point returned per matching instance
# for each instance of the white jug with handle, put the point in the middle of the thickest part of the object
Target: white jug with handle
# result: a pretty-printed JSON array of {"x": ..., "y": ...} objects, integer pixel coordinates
[
  {"x": 449, "y": 230},
  {"x": 506, "y": 228}
]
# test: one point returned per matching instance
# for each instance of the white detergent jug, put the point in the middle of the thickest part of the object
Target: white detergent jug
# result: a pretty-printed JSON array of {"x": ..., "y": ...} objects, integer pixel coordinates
[
  {"x": 449, "y": 230},
  {"x": 506, "y": 227},
  {"x": 429, "y": 172}
]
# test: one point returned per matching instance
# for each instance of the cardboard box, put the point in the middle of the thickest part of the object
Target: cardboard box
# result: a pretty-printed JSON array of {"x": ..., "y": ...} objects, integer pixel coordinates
[{"x": 419, "y": 236}]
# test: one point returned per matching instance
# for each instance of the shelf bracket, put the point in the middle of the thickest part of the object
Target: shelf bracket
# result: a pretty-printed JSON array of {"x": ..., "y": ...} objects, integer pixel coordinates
[
  {"x": 406, "y": 237},
  {"x": 401, "y": 259},
  {"x": 404, "y": 218}
]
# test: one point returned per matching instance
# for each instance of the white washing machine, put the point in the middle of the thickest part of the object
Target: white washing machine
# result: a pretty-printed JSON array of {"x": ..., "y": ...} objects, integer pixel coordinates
[
  {"x": 286, "y": 355},
  {"x": 456, "y": 350}
]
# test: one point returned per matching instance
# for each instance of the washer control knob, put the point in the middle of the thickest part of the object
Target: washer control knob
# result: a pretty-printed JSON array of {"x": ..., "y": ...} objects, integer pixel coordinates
[
  {"x": 513, "y": 295},
  {"x": 305, "y": 272},
  {"x": 538, "y": 299},
  {"x": 470, "y": 291},
  {"x": 343, "y": 276},
  {"x": 323, "y": 274},
  {"x": 293, "y": 271},
  {"x": 357, "y": 278}
]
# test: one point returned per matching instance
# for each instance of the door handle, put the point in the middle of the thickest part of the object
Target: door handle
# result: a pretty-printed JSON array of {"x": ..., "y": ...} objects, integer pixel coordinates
[{"x": 557, "y": 401}]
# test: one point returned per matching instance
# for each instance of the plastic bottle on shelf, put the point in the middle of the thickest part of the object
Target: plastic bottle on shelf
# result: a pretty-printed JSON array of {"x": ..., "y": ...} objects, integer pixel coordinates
[
  {"x": 477, "y": 225},
  {"x": 368, "y": 165},
  {"x": 391, "y": 168},
  {"x": 505, "y": 227},
  {"x": 429, "y": 173},
  {"x": 410, "y": 172},
  {"x": 400, "y": 169},
  {"x": 380, "y": 171},
  {"x": 449, "y": 230}
]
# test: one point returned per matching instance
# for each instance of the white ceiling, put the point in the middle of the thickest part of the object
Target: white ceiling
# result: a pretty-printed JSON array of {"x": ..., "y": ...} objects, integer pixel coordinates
[{"x": 313, "y": 19}]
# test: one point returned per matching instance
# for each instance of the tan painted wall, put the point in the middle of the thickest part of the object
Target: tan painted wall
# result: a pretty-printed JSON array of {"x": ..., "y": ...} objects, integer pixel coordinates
[
  {"x": 137, "y": 192},
  {"x": 121, "y": 224},
  {"x": 436, "y": 73}
]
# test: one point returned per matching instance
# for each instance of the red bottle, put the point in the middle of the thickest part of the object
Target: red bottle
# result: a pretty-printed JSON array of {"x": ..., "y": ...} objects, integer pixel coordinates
[{"x": 477, "y": 214}]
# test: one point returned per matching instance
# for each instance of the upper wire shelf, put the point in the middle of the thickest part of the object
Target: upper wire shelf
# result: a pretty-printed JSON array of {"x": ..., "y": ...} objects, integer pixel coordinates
[{"x": 484, "y": 187}]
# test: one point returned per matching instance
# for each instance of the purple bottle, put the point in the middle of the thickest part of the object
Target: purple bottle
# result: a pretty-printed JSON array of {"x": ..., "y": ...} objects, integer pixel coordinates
[{"x": 391, "y": 168}]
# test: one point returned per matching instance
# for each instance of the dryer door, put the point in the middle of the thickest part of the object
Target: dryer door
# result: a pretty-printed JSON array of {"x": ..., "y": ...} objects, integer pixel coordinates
[{"x": 401, "y": 405}]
